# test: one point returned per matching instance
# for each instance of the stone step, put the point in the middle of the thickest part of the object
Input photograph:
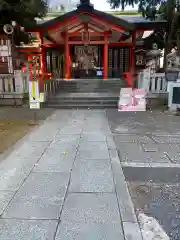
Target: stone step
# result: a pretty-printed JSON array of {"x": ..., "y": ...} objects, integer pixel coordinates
[
  {"x": 69, "y": 98},
  {"x": 86, "y": 94},
  {"x": 82, "y": 105},
  {"x": 85, "y": 101},
  {"x": 93, "y": 83},
  {"x": 87, "y": 91}
]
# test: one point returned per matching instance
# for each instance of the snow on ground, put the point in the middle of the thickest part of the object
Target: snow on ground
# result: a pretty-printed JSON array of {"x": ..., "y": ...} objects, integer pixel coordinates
[{"x": 150, "y": 228}]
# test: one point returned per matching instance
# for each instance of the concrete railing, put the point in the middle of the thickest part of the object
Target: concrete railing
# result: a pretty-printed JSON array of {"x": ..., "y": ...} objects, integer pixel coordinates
[
  {"x": 14, "y": 83},
  {"x": 158, "y": 83},
  {"x": 13, "y": 87},
  {"x": 7, "y": 83},
  {"x": 154, "y": 83}
]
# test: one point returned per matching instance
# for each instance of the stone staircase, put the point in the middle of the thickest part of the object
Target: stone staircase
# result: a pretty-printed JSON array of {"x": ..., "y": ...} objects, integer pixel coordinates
[{"x": 86, "y": 93}]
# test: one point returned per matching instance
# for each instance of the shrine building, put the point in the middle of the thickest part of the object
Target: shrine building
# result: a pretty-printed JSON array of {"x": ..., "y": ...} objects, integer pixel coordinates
[{"x": 90, "y": 44}]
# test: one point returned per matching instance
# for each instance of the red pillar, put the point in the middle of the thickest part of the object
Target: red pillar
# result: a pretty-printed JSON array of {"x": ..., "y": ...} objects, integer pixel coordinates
[
  {"x": 132, "y": 59},
  {"x": 105, "y": 58},
  {"x": 67, "y": 58},
  {"x": 44, "y": 58},
  {"x": 43, "y": 54}
]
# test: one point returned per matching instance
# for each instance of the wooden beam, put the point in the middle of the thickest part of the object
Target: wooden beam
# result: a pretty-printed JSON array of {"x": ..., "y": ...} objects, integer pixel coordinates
[
  {"x": 77, "y": 25},
  {"x": 99, "y": 26},
  {"x": 116, "y": 44},
  {"x": 120, "y": 44},
  {"x": 29, "y": 49},
  {"x": 95, "y": 29},
  {"x": 93, "y": 34},
  {"x": 27, "y": 54},
  {"x": 103, "y": 21},
  {"x": 52, "y": 45},
  {"x": 76, "y": 29},
  {"x": 81, "y": 42}
]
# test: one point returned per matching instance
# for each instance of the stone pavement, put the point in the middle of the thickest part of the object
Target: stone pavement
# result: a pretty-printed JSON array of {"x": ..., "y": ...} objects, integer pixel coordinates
[
  {"x": 65, "y": 181},
  {"x": 148, "y": 139}
]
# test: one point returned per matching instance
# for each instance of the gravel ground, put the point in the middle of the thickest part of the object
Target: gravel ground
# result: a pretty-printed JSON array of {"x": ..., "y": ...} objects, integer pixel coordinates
[
  {"x": 159, "y": 200},
  {"x": 23, "y": 113},
  {"x": 155, "y": 122}
]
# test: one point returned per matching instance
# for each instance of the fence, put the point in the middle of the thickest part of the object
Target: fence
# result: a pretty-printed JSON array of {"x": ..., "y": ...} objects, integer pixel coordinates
[
  {"x": 13, "y": 88},
  {"x": 155, "y": 83},
  {"x": 16, "y": 83},
  {"x": 50, "y": 88}
]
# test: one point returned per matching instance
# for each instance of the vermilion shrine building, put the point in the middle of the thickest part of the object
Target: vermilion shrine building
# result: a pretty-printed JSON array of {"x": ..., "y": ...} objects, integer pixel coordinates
[{"x": 87, "y": 43}]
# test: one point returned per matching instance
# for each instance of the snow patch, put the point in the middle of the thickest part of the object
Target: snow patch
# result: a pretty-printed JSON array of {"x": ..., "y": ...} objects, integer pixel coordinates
[{"x": 150, "y": 228}]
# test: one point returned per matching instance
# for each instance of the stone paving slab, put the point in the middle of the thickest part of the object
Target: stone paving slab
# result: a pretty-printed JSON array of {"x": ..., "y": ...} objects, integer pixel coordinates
[
  {"x": 33, "y": 150},
  {"x": 134, "y": 152},
  {"x": 172, "y": 151},
  {"x": 92, "y": 176},
  {"x": 66, "y": 138},
  {"x": 19, "y": 163},
  {"x": 132, "y": 231},
  {"x": 88, "y": 230},
  {"x": 144, "y": 157},
  {"x": 145, "y": 139},
  {"x": 12, "y": 229},
  {"x": 67, "y": 146},
  {"x": 93, "y": 151},
  {"x": 5, "y": 198},
  {"x": 55, "y": 160},
  {"x": 126, "y": 138},
  {"x": 139, "y": 165},
  {"x": 164, "y": 165},
  {"x": 93, "y": 137},
  {"x": 11, "y": 180},
  {"x": 46, "y": 134},
  {"x": 150, "y": 147},
  {"x": 133, "y": 138},
  {"x": 130, "y": 147},
  {"x": 150, "y": 165},
  {"x": 96, "y": 208},
  {"x": 40, "y": 197},
  {"x": 95, "y": 215},
  {"x": 71, "y": 130},
  {"x": 167, "y": 139},
  {"x": 104, "y": 130}
]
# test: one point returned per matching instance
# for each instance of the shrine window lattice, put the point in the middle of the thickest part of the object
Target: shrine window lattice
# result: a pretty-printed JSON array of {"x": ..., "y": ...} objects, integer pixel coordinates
[{"x": 119, "y": 59}]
